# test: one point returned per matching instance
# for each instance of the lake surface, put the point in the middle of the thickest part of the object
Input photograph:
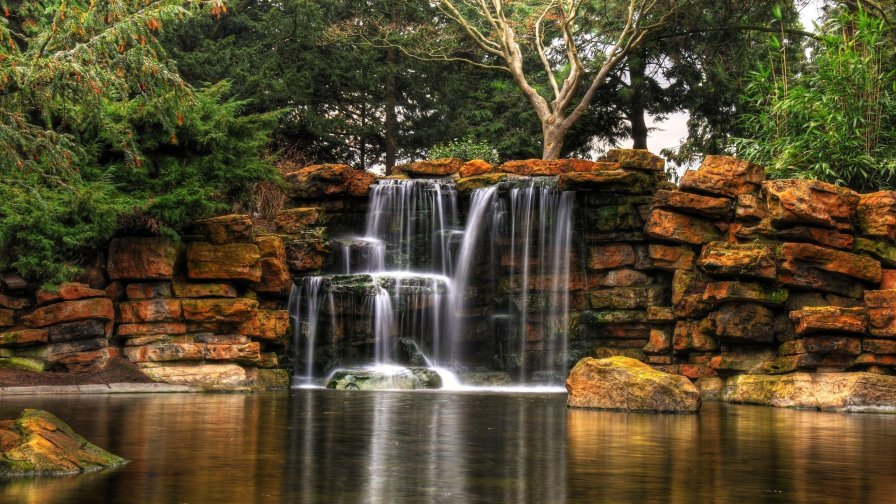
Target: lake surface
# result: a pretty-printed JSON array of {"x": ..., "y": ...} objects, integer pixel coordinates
[{"x": 310, "y": 446}]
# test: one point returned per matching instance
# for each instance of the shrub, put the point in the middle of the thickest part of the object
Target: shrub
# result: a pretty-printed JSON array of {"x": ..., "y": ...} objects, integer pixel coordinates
[{"x": 466, "y": 149}]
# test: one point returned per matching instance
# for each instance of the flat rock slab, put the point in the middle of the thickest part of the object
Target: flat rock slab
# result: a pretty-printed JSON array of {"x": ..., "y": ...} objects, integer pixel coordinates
[
  {"x": 622, "y": 383},
  {"x": 111, "y": 388},
  {"x": 39, "y": 444},
  {"x": 854, "y": 392}
]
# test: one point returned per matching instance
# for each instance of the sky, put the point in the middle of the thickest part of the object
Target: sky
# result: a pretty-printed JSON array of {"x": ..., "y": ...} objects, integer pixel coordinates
[{"x": 670, "y": 132}]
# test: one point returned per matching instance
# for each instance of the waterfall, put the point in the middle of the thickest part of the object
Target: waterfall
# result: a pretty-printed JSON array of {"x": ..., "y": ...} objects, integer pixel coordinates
[{"x": 416, "y": 277}]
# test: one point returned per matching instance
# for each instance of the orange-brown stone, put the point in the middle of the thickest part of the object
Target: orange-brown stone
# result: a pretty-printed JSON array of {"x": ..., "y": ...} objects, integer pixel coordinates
[
  {"x": 877, "y": 214},
  {"x": 23, "y": 337},
  {"x": 433, "y": 168},
  {"x": 829, "y": 319},
  {"x": 234, "y": 228},
  {"x": 153, "y": 328},
  {"x": 750, "y": 208},
  {"x": 614, "y": 255},
  {"x": 141, "y": 258},
  {"x": 148, "y": 290},
  {"x": 267, "y": 324},
  {"x": 689, "y": 203},
  {"x": 822, "y": 344},
  {"x": 607, "y": 181},
  {"x": 233, "y": 261},
  {"x": 328, "y": 180},
  {"x": 193, "y": 351},
  {"x": 68, "y": 292},
  {"x": 888, "y": 279},
  {"x": 275, "y": 277},
  {"x": 219, "y": 310},
  {"x": 797, "y": 257},
  {"x": 731, "y": 259},
  {"x": 199, "y": 290},
  {"x": 669, "y": 257},
  {"x": 693, "y": 336},
  {"x": 476, "y": 167},
  {"x": 680, "y": 228},
  {"x": 881, "y": 307},
  {"x": 542, "y": 167},
  {"x": 744, "y": 323},
  {"x": 636, "y": 159},
  {"x": 296, "y": 220},
  {"x": 718, "y": 293},
  {"x": 810, "y": 202},
  {"x": 724, "y": 176},
  {"x": 150, "y": 310},
  {"x": 879, "y": 346},
  {"x": 71, "y": 311}
]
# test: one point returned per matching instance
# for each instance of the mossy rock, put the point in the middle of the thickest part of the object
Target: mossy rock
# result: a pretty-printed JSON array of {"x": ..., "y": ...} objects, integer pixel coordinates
[
  {"x": 38, "y": 443},
  {"x": 388, "y": 379}
]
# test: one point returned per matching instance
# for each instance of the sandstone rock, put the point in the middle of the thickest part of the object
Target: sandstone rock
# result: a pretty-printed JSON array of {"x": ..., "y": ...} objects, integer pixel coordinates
[
  {"x": 307, "y": 251},
  {"x": 234, "y": 228},
  {"x": 150, "y": 310},
  {"x": 148, "y": 290},
  {"x": 219, "y": 310},
  {"x": 689, "y": 203},
  {"x": 403, "y": 379},
  {"x": 82, "y": 329},
  {"x": 878, "y": 249},
  {"x": 7, "y": 318},
  {"x": 731, "y": 259},
  {"x": 614, "y": 255},
  {"x": 820, "y": 362},
  {"x": 140, "y": 258},
  {"x": 750, "y": 208},
  {"x": 881, "y": 308},
  {"x": 888, "y": 279},
  {"x": 603, "y": 317},
  {"x": 195, "y": 290},
  {"x": 660, "y": 341},
  {"x": 741, "y": 361},
  {"x": 807, "y": 265},
  {"x": 746, "y": 323},
  {"x": 247, "y": 353},
  {"x": 660, "y": 314},
  {"x": 212, "y": 376},
  {"x": 87, "y": 362},
  {"x": 615, "y": 181},
  {"x": 267, "y": 324},
  {"x": 542, "y": 167},
  {"x": 13, "y": 281},
  {"x": 718, "y": 293},
  {"x": 14, "y": 303},
  {"x": 475, "y": 167},
  {"x": 620, "y": 383},
  {"x": 23, "y": 337},
  {"x": 626, "y": 298},
  {"x": 142, "y": 329},
  {"x": 433, "y": 168},
  {"x": 671, "y": 258},
  {"x": 68, "y": 292},
  {"x": 694, "y": 336},
  {"x": 38, "y": 443},
  {"x": 765, "y": 232},
  {"x": 680, "y": 228},
  {"x": 619, "y": 278},
  {"x": 71, "y": 311},
  {"x": 877, "y": 214},
  {"x": 328, "y": 180},
  {"x": 636, "y": 159},
  {"x": 275, "y": 277},
  {"x": 473, "y": 182},
  {"x": 822, "y": 344},
  {"x": 830, "y": 319},
  {"x": 812, "y": 202},
  {"x": 687, "y": 294},
  {"x": 724, "y": 176},
  {"x": 822, "y": 391},
  {"x": 236, "y": 261},
  {"x": 296, "y": 220}
]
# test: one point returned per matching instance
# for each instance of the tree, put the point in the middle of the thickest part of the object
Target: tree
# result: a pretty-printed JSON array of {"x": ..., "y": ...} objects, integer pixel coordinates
[{"x": 577, "y": 43}]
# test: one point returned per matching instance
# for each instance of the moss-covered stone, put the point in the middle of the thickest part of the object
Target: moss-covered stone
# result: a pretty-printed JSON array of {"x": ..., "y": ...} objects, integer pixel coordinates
[
  {"x": 822, "y": 391},
  {"x": 38, "y": 443}
]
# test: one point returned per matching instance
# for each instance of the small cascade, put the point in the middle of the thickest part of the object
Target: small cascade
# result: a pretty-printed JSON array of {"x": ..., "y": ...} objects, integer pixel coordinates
[{"x": 417, "y": 277}]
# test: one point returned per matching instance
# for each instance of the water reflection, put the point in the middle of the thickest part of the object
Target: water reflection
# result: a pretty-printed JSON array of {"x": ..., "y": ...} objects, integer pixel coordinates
[{"x": 319, "y": 446}]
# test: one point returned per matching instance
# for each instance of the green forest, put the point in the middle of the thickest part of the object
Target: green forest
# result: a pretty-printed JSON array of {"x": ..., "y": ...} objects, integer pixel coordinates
[{"x": 140, "y": 116}]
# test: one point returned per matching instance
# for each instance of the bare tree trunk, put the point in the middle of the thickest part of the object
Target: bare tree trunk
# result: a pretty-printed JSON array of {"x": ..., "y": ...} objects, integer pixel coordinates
[
  {"x": 553, "y": 137},
  {"x": 636, "y": 113}
]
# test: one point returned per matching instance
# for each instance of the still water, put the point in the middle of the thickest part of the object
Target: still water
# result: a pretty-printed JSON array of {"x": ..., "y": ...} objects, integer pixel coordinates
[{"x": 311, "y": 446}]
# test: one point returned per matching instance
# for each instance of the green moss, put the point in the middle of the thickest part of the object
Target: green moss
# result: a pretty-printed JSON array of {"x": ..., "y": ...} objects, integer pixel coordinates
[{"x": 23, "y": 363}]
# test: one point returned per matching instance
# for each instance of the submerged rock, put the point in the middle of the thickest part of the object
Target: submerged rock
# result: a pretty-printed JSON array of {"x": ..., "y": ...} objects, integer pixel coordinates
[
  {"x": 621, "y": 383},
  {"x": 485, "y": 378},
  {"x": 38, "y": 443},
  {"x": 822, "y": 391},
  {"x": 373, "y": 379}
]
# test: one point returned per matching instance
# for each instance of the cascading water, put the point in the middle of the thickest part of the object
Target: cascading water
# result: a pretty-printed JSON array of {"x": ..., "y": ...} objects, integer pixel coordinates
[{"x": 416, "y": 276}]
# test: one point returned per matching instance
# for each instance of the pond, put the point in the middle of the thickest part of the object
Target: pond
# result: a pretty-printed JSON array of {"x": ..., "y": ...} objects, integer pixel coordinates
[{"x": 310, "y": 446}]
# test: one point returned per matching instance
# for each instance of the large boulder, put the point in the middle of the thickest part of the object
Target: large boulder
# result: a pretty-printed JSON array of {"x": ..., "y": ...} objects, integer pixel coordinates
[
  {"x": 38, "y": 443},
  {"x": 328, "y": 181},
  {"x": 866, "y": 392},
  {"x": 812, "y": 202},
  {"x": 219, "y": 376},
  {"x": 636, "y": 159},
  {"x": 388, "y": 379},
  {"x": 233, "y": 261},
  {"x": 621, "y": 383},
  {"x": 724, "y": 176},
  {"x": 433, "y": 168}
]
